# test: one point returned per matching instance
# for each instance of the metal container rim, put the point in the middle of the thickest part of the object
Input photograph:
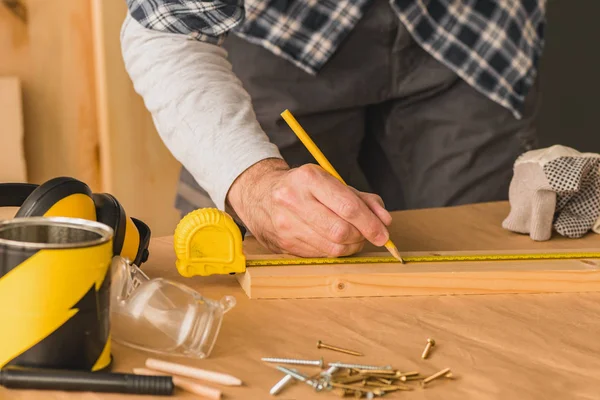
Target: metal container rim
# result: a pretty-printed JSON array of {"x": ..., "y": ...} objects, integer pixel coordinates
[{"x": 104, "y": 231}]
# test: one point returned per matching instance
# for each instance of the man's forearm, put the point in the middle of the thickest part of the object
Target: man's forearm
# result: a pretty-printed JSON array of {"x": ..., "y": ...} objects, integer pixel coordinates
[{"x": 200, "y": 109}]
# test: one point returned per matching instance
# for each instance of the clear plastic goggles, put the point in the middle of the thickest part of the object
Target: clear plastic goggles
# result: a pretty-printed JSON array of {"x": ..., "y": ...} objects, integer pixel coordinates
[{"x": 162, "y": 316}]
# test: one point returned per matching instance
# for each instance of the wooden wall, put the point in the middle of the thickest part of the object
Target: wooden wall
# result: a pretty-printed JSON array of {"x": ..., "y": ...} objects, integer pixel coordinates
[
  {"x": 137, "y": 167},
  {"x": 52, "y": 56},
  {"x": 82, "y": 117},
  {"x": 12, "y": 163}
]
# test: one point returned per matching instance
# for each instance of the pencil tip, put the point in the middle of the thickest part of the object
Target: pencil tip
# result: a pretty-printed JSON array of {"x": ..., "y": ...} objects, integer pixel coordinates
[{"x": 396, "y": 254}]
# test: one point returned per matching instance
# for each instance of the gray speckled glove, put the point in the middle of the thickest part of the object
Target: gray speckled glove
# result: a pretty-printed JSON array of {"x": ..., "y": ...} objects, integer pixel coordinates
[{"x": 556, "y": 187}]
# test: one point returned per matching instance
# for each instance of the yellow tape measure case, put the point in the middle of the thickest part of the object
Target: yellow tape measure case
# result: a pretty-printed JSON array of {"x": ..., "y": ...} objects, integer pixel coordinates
[{"x": 207, "y": 242}]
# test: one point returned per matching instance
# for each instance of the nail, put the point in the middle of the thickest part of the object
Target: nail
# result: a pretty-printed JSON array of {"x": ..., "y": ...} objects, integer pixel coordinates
[
  {"x": 321, "y": 345},
  {"x": 435, "y": 376},
  {"x": 382, "y": 238}
]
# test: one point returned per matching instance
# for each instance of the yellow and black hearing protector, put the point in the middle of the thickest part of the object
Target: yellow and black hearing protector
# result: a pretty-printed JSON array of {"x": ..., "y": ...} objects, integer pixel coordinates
[{"x": 68, "y": 197}]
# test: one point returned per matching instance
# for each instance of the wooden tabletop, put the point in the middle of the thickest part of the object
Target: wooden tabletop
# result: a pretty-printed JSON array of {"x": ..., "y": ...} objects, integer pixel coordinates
[{"x": 525, "y": 346}]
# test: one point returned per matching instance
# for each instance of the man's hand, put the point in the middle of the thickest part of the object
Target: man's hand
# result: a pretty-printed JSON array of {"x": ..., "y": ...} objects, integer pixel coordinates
[{"x": 307, "y": 212}]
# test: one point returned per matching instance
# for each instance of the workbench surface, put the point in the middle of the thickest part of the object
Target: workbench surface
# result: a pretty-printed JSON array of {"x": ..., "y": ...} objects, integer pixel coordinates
[{"x": 525, "y": 346}]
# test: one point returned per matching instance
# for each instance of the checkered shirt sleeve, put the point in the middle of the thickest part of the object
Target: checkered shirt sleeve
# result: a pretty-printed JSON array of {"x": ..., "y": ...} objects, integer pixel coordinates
[{"x": 204, "y": 20}]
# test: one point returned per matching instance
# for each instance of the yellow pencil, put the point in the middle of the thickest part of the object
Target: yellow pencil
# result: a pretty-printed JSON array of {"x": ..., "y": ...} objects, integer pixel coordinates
[{"x": 324, "y": 163}]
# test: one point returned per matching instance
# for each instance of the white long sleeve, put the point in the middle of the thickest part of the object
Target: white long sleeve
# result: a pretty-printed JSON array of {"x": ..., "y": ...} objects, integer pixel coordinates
[{"x": 200, "y": 109}]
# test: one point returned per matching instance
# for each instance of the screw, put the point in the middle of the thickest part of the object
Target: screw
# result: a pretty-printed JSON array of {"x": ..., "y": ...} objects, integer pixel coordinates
[
  {"x": 410, "y": 373},
  {"x": 343, "y": 392},
  {"x": 315, "y": 384},
  {"x": 350, "y": 379},
  {"x": 328, "y": 373},
  {"x": 358, "y": 366},
  {"x": 430, "y": 344},
  {"x": 278, "y": 387},
  {"x": 386, "y": 372},
  {"x": 392, "y": 388},
  {"x": 375, "y": 383},
  {"x": 404, "y": 378},
  {"x": 443, "y": 372},
  {"x": 349, "y": 387},
  {"x": 321, "y": 345},
  {"x": 317, "y": 363}
]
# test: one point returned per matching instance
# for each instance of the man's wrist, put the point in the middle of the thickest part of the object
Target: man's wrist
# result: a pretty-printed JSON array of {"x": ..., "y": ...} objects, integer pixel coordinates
[{"x": 250, "y": 181}]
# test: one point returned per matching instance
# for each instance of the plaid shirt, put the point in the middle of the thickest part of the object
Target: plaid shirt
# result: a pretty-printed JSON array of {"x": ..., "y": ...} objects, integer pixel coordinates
[{"x": 493, "y": 45}]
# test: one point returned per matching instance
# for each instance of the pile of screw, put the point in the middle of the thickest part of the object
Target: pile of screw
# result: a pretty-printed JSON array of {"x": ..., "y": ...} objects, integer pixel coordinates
[{"x": 358, "y": 380}]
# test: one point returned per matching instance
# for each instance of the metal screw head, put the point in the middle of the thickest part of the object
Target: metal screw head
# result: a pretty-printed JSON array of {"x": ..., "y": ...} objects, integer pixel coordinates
[{"x": 430, "y": 344}]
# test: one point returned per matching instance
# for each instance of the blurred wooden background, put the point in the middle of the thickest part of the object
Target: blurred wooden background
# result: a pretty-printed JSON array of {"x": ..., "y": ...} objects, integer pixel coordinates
[{"x": 81, "y": 116}]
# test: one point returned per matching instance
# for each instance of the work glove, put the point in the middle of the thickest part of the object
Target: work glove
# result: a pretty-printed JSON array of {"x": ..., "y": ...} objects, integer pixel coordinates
[{"x": 555, "y": 188}]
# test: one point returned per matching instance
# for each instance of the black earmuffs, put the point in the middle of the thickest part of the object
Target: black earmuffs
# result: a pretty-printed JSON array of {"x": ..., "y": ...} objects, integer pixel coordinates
[{"x": 68, "y": 197}]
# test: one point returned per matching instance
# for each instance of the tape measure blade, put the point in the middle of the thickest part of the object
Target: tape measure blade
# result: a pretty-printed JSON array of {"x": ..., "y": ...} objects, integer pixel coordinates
[{"x": 426, "y": 258}]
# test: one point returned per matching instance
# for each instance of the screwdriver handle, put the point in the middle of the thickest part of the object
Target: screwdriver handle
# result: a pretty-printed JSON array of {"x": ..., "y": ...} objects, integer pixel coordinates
[{"x": 86, "y": 381}]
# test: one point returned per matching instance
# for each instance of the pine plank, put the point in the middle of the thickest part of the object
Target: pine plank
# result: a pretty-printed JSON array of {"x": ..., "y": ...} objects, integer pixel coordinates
[{"x": 456, "y": 230}]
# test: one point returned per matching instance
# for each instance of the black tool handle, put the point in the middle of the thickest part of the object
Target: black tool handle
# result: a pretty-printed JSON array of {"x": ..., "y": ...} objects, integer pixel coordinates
[{"x": 86, "y": 381}]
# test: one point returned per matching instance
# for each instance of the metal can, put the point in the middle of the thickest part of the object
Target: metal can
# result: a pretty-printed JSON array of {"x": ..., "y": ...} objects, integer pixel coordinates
[{"x": 55, "y": 293}]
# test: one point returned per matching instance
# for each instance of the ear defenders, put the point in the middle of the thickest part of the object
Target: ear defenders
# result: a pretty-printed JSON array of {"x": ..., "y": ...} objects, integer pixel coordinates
[{"x": 68, "y": 197}]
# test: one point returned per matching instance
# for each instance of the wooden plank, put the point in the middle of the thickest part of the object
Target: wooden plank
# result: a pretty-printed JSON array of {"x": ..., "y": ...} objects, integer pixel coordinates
[
  {"x": 136, "y": 166},
  {"x": 12, "y": 162},
  {"x": 424, "y": 279},
  {"x": 424, "y": 232}
]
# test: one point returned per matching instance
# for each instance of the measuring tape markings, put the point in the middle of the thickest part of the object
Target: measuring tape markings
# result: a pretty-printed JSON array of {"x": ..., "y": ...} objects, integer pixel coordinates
[{"x": 419, "y": 259}]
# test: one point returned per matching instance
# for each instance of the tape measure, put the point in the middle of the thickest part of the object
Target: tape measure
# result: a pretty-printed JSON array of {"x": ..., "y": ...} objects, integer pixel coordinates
[
  {"x": 419, "y": 259},
  {"x": 207, "y": 241}
]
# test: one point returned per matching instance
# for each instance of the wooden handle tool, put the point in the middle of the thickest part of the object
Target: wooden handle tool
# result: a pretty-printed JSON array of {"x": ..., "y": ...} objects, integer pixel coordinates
[
  {"x": 185, "y": 384},
  {"x": 191, "y": 372}
]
